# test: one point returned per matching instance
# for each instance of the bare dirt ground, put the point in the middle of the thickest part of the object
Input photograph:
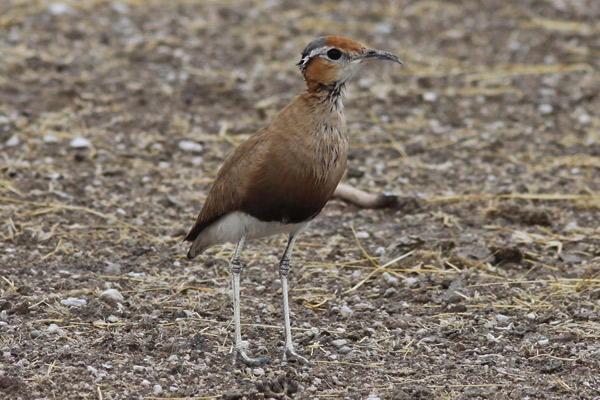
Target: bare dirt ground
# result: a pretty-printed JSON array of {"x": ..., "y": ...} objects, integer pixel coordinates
[{"x": 483, "y": 283}]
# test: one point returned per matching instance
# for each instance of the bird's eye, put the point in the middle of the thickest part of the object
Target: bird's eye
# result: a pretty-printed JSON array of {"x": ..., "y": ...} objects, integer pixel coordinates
[{"x": 334, "y": 54}]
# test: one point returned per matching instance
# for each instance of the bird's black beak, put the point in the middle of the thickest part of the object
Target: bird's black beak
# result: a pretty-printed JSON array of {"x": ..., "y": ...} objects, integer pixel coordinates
[{"x": 373, "y": 54}]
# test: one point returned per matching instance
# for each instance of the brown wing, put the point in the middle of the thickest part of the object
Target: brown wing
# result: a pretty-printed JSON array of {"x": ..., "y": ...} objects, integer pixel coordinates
[{"x": 231, "y": 183}]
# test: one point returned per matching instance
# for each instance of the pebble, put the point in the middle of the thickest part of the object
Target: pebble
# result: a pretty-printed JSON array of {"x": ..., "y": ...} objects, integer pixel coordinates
[
  {"x": 429, "y": 96},
  {"x": 3, "y": 315},
  {"x": 50, "y": 138},
  {"x": 138, "y": 368},
  {"x": 545, "y": 108},
  {"x": 73, "y": 302},
  {"x": 363, "y": 235},
  {"x": 157, "y": 389},
  {"x": 543, "y": 342},
  {"x": 346, "y": 311},
  {"x": 531, "y": 316},
  {"x": 80, "y": 143},
  {"x": 13, "y": 141},
  {"x": 59, "y": 8},
  {"x": 112, "y": 319},
  {"x": 145, "y": 382},
  {"x": 344, "y": 350},
  {"x": 390, "y": 279},
  {"x": 390, "y": 292},
  {"x": 373, "y": 397},
  {"x": 410, "y": 282},
  {"x": 111, "y": 296},
  {"x": 502, "y": 318},
  {"x": 35, "y": 334},
  {"x": 92, "y": 370},
  {"x": 258, "y": 371},
  {"x": 3, "y": 323},
  {"x": 120, "y": 7},
  {"x": 339, "y": 342},
  {"x": 584, "y": 119},
  {"x": 52, "y": 328},
  {"x": 188, "y": 145}
]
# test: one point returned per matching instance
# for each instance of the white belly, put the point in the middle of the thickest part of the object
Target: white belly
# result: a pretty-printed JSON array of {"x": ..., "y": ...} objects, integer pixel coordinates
[{"x": 235, "y": 225}]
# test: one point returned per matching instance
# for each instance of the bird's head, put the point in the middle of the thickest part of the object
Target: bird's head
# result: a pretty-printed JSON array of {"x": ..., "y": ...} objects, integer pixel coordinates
[{"x": 329, "y": 61}]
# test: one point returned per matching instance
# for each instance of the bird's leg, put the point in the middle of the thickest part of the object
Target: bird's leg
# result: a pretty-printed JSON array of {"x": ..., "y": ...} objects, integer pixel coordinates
[
  {"x": 235, "y": 267},
  {"x": 284, "y": 268}
]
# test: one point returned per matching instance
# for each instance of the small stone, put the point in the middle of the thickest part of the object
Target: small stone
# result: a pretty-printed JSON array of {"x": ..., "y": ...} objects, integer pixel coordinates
[
  {"x": 50, "y": 138},
  {"x": 344, "y": 350},
  {"x": 543, "y": 342},
  {"x": 339, "y": 342},
  {"x": 92, "y": 370},
  {"x": 389, "y": 292},
  {"x": 73, "y": 302},
  {"x": 52, "y": 328},
  {"x": 346, "y": 311},
  {"x": 157, "y": 389},
  {"x": 35, "y": 334},
  {"x": 3, "y": 315},
  {"x": 138, "y": 368},
  {"x": 145, "y": 382},
  {"x": 3, "y": 324},
  {"x": 13, "y": 141},
  {"x": 390, "y": 279},
  {"x": 188, "y": 145},
  {"x": 233, "y": 395},
  {"x": 584, "y": 119},
  {"x": 502, "y": 318},
  {"x": 120, "y": 7},
  {"x": 112, "y": 319},
  {"x": 80, "y": 143},
  {"x": 411, "y": 282},
  {"x": 531, "y": 316},
  {"x": 258, "y": 371},
  {"x": 545, "y": 108},
  {"x": 59, "y": 8},
  {"x": 429, "y": 97},
  {"x": 111, "y": 296},
  {"x": 363, "y": 235}
]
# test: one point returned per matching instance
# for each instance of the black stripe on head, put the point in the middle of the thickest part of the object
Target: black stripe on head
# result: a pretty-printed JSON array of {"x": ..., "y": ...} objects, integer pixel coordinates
[{"x": 306, "y": 53}]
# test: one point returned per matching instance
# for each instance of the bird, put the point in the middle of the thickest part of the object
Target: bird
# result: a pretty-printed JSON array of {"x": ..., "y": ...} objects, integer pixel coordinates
[{"x": 281, "y": 177}]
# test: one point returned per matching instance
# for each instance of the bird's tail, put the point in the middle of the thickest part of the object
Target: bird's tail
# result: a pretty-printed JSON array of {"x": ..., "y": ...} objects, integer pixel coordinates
[{"x": 198, "y": 247}]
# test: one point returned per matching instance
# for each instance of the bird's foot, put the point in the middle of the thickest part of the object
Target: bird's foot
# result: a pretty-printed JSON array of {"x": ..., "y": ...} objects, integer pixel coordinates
[
  {"x": 290, "y": 355},
  {"x": 250, "y": 361}
]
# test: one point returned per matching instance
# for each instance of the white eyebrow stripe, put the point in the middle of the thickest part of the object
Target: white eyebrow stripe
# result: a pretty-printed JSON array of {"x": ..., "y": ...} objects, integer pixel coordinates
[{"x": 315, "y": 52}]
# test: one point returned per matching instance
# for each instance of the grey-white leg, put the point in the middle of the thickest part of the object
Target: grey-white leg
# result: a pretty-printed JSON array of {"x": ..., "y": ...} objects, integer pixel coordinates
[
  {"x": 235, "y": 266},
  {"x": 284, "y": 268}
]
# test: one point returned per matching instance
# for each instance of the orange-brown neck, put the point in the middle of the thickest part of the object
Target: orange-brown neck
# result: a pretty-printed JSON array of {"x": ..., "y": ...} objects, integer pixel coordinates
[{"x": 320, "y": 75}]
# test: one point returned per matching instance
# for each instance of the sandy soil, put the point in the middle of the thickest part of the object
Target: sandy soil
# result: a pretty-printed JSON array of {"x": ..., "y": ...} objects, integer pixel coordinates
[{"x": 483, "y": 284}]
